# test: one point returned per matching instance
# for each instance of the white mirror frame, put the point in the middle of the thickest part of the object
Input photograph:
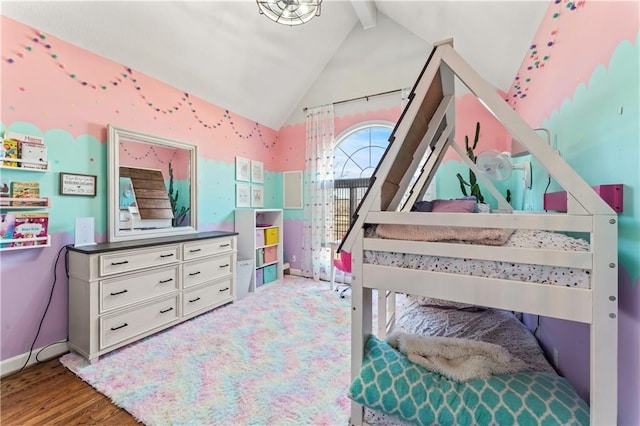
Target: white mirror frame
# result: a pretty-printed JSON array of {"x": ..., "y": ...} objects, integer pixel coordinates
[{"x": 114, "y": 134}]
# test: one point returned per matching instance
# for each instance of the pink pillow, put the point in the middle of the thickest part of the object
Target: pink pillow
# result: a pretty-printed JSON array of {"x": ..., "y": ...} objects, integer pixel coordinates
[{"x": 453, "y": 206}]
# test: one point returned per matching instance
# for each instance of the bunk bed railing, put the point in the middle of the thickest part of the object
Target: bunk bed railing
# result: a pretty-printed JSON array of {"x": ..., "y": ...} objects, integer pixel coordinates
[
  {"x": 529, "y": 220},
  {"x": 539, "y": 299}
]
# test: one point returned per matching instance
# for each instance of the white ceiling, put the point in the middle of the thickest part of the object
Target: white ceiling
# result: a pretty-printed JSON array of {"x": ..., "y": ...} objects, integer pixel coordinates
[{"x": 226, "y": 53}]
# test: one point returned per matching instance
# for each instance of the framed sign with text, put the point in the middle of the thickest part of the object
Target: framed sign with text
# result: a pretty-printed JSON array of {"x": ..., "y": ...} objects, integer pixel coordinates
[{"x": 76, "y": 184}]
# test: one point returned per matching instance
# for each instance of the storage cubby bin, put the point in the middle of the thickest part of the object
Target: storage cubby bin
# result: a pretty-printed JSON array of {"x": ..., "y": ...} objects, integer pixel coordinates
[
  {"x": 259, "y": 237},
  {"x": 260, "y": 257},
  {"x": 270, "y": 236},
  {"x": 270, "y": 273},
  {"x": 259, "y": 277},
  {"x": 270, "y": 254}
]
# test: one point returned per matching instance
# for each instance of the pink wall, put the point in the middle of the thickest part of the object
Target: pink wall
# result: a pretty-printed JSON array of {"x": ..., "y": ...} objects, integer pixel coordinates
[
  {"x": 576, "y": 90},
  {"x": 60, "y": 86},
  {"x": 70, "y": 95},
  {"x": 568, "y": 46}
]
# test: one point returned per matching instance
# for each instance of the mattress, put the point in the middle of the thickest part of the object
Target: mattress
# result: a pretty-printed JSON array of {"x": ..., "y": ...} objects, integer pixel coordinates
[{"x": 523, "y": 238}]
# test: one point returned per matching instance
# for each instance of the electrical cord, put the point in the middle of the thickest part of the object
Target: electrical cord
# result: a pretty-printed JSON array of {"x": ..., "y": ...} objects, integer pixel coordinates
[
  {"x": 46, "y": 309},
  {"x": 547, "y": 188},
  {"x": 537, "y": 325}
]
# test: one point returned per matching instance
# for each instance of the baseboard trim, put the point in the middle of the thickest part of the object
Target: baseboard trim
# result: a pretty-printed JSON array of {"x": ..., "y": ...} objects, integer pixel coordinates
[
  {"x": 14, "y": 364},
  {"x": 296, "y": 272}
]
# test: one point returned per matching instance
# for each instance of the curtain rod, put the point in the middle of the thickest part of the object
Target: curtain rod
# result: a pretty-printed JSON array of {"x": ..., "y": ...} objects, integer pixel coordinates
[{"x": 388, "y": 92}]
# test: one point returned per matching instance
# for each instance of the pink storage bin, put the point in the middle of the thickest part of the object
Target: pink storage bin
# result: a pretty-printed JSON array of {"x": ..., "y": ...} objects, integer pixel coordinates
[
  {"x": 270, "y": 254},
  {"x": 259, "y": 237}
]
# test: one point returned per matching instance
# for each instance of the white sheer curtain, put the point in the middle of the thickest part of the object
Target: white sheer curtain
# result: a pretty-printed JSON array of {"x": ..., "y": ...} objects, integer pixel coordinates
[{"x": 317, "y": 230}]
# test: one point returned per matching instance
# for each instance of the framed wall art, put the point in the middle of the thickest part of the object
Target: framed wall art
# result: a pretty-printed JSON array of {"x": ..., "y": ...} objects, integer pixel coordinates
[
  {"x": 243, "y": 195},
  {"x": 257, "y": 196},
  {"x": 77, "y": 184},
  {"x": 257, "y": 171},
  {"x": 243, "y": 169}
]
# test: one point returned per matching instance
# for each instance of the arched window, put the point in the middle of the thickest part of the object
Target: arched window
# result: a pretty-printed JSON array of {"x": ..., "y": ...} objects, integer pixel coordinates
[{"x": 356, "y": 155}]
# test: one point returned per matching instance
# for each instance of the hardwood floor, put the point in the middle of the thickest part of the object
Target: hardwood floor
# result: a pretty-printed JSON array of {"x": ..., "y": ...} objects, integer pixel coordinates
[{"x": 49, "y": 394}]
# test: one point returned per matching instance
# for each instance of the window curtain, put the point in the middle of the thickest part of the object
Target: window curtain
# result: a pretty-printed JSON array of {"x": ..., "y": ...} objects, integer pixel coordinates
[{"x": 317, "y": 232}]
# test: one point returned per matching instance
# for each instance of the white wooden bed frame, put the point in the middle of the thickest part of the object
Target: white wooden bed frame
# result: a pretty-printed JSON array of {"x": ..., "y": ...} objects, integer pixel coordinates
[{"x": 425, "y": 130}]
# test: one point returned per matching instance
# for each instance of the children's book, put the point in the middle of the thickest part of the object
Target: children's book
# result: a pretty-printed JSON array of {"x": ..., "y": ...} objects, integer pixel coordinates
[
  {"x": 5, "y": 192},
  {"x": 23, "y": 137},
  {"x": 30, "y": 225},
  {"x": 10, "y": 150},
  {"x": 25, "y": 190},
  {"x": 7, "y": 227},
  {"x": 33, "y": 155}
]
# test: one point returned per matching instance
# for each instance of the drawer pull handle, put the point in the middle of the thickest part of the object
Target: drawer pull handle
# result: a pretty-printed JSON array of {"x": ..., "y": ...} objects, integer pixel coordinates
[
  {"x": 166, "y": 281},
  {"x": 119, "y": 327},
  {"x": 119, "y": 292},
  {"x": 194, "y": 300},
  {"x": 225, "y": 245},
  {"x": 223, "y": 289},
  {"x": 120, "y": 263},
  {"x": 164, "y": 311},
  {"x": 194, "y": 273},
  {"x": 226, "y": 265},
  {"x": 166, "y": 255},
  {"x": 195, "y": 250}
]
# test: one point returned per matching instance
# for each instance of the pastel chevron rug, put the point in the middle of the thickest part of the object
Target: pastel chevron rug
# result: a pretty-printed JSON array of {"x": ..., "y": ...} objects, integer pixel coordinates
[{"x": 280, "y": 356}]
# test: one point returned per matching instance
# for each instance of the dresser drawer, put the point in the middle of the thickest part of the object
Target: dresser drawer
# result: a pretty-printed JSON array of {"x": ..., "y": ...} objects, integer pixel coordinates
[
  {"x": 120, "y": 327},
  {"x": 210, "y": 247},
  {"x": 197, "y": 272},
  {"x": 119, "y": 292},
  {"x": 127, "y": 261},
  {"x": 203, "y": 297}
]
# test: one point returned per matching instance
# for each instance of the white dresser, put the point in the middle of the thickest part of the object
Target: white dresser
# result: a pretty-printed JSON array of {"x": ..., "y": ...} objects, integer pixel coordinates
[{"x": 122, "y": 292}]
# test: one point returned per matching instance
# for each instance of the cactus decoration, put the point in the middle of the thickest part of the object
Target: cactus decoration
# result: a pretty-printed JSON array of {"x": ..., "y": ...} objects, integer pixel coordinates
[
  {"x": 474, "y": 187},
  {"x": 178, "y": 216}
]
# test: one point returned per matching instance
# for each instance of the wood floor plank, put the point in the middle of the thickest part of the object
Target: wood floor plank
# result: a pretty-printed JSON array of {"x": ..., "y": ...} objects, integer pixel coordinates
[{"x": 49, "y": 394}]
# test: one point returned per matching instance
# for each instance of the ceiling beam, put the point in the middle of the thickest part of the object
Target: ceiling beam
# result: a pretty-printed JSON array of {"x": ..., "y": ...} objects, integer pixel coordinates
[{"x": 366, "y": 11}]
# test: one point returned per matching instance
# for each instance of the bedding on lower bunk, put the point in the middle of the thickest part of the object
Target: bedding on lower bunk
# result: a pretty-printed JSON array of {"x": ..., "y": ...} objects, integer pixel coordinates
[
  {"x": 524, "y": 238},
  {"x": 395, "y": 391}
]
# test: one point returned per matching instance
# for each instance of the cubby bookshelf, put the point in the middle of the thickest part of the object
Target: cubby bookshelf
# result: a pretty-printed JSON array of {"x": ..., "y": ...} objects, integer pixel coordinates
[{"x": 250, "y": 224}]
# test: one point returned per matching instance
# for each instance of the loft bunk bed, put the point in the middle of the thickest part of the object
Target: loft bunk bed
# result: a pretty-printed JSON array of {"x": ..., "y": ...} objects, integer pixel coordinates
[{"x": 417, "y": 146}]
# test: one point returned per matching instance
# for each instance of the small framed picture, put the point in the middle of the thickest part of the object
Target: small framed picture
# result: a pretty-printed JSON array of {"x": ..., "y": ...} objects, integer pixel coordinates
[
  {"x": 257, "y": 171},
  {"x": 243, "y": 169},
  {"x": 257, "y": 196},
  {"x": 243, "y": 195},
  {"x": 76, "y": 184}
]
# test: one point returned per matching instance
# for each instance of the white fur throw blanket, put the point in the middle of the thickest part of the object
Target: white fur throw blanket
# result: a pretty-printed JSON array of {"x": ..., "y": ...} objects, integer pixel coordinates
[
  {"x": 486, "y": 236},
  {"x": 455, "y": 358}
]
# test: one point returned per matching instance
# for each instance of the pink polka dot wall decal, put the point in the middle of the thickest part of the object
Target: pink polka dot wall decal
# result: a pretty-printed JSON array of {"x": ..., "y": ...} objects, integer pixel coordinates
[
  {"x": 12, "y": 108},
  {"x": 117, "y": 112},
  {"x": 22, "y": 89}
]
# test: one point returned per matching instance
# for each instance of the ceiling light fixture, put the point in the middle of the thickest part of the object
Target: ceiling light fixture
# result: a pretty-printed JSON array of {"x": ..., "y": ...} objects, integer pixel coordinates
[{"x": 289, "y": 12}]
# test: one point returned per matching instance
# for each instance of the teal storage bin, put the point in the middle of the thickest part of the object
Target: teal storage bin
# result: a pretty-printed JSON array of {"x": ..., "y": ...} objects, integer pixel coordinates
[{"x": 270, "y": 273}]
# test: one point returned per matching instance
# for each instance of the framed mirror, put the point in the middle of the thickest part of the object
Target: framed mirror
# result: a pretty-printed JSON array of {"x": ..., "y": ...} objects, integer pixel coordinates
[{"x": 152, "y": 186}]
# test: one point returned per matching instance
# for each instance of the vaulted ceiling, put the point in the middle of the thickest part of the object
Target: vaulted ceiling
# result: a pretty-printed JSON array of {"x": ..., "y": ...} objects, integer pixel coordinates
[{"x": 226, "y": 53}]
